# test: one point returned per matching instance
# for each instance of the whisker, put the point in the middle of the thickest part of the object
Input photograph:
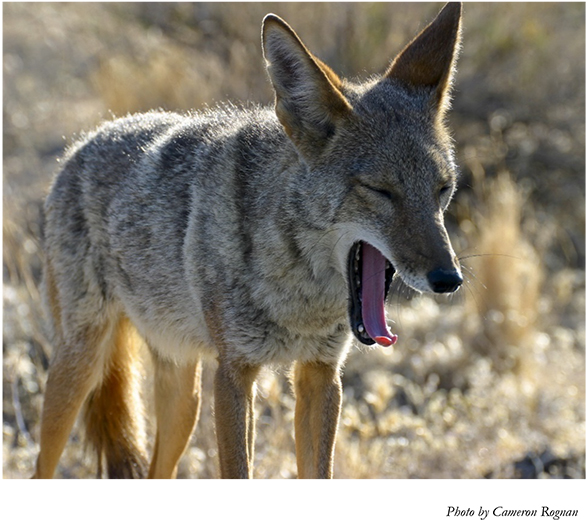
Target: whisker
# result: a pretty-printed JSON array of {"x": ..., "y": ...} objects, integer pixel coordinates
[
  {"x": 326, "y": 233},
  {"x": 460, "y": 258},
  {"x": 468, "y": 288},
  {"x": 336, "y": 243},
  {"x": 469, "y": 271}
]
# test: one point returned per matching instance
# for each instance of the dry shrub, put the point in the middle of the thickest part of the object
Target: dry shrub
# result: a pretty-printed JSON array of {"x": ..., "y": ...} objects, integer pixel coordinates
[{"x": 509, "y": 276}]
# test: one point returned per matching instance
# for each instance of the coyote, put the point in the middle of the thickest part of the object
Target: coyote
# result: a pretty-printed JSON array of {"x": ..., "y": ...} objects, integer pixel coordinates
[{"x": 259, "y": 236}]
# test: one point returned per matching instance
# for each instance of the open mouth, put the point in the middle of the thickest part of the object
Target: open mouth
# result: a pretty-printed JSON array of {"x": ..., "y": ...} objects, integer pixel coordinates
[{"x": 369, "y": 277}]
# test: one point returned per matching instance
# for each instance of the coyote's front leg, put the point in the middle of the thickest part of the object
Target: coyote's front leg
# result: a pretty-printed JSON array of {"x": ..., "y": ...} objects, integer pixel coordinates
[
  {"x": 234, "y": 410},
  {"x": 318, "y": 392}
]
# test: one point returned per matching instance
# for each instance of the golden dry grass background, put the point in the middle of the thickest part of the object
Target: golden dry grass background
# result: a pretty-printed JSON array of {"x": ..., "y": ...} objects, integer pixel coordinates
[{"x": 486, "y": 383}]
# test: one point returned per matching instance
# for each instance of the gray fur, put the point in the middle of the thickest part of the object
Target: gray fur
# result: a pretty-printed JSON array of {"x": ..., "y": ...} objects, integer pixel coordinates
[{"x": 171, "y": 218}]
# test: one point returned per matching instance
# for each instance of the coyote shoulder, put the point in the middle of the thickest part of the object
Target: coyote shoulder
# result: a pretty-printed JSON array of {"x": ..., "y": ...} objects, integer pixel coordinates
[{"x": 255, "y": 235}]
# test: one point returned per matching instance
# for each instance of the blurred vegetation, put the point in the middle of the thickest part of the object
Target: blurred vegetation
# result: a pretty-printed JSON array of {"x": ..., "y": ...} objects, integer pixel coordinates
[{"x": 486, "y": 383}]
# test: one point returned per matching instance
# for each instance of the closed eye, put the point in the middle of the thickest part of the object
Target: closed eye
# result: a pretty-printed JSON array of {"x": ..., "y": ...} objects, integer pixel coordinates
[
  {"x": 446, "y": 190},
  {"x": 384, "y": 193}
]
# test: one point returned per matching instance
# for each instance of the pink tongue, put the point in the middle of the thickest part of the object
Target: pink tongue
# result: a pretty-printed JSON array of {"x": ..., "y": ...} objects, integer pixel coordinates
[{"x": 373, "y": 296}]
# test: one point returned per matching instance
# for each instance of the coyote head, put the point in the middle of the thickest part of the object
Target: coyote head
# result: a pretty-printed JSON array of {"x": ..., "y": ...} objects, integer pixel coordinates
[{"x": 380, "y": 166}]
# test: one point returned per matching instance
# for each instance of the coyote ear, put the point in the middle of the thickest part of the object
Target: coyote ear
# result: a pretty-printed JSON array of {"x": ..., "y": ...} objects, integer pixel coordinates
[
  {"x": 429, "y": 60},
  {"x": 309, "y": 103}
]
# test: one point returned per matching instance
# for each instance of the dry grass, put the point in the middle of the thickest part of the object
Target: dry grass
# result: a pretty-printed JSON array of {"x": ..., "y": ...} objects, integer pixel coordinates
[
  {"x": 511, "y": 276},
  {"x": 478, "y": 381}
]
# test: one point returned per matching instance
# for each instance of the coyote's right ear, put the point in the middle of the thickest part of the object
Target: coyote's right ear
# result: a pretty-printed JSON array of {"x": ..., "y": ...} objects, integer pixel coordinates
[
  {"x": 309, "y": 103},
  {"x": 429, "y": 60}
]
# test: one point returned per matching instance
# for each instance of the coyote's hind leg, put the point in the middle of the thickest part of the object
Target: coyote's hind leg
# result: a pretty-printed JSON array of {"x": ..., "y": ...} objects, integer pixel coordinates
[
  {"x": 76, "y": 369},
  {"x": 73, "y": 374}
]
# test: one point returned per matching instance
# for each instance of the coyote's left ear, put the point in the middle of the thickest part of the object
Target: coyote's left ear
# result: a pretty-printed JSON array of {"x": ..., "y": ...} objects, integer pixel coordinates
[
  {"x": 429, "y": 60},
  {"x": 309, "y": 101}
]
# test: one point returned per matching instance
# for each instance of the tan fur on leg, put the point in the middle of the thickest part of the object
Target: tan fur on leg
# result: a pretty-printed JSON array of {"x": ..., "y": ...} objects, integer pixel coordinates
[
  {"x": 318, "y": 393},
  {"x": 177, "y": 403},
  {"x": 72, "y": 375},
  {"x": 68, "y": 386},
  {"x": 234, "y": 409}
]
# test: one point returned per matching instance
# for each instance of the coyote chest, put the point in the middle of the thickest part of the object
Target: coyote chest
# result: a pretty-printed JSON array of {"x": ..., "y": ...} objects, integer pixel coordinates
[{"x": 273, "y": 309}]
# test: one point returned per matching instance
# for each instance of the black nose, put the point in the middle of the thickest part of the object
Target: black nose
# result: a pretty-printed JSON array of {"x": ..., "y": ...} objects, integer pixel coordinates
[{"x": 443, "y": 281}]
